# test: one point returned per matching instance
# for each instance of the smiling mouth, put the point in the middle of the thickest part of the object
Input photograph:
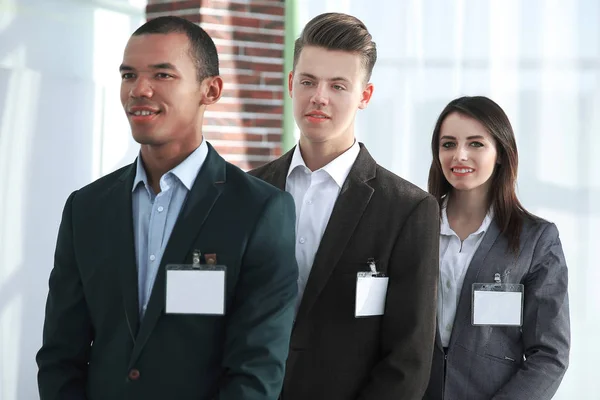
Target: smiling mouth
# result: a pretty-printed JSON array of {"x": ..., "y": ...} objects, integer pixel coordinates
[
  {"x": 462, "y": 170},
  {"x": 143, "y": 113}
]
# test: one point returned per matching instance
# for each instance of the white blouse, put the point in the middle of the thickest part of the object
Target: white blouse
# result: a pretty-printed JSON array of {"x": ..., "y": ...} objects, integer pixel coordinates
[{"x": 455, "y": 258}]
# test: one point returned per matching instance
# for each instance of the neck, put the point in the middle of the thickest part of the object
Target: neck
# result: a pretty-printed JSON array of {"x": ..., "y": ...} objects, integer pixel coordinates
[
  {"x": 318, "y": 155},
  {"x": 469, "y": 205},
  {"x": 158, "y": 160}
]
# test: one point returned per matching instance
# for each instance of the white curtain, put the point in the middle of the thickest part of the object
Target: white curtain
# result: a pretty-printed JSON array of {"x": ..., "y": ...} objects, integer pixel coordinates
[{"x": 540, "y": 60}]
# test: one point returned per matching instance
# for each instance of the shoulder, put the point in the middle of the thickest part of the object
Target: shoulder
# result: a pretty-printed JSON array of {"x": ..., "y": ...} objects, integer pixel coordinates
[
  {"x": 103, "y": 185},
  {"x": 539, "y": 229},
  {"x": 398, "y": 190},
  {"x": 248, "y": 186},
  {"x": 262, "y": 170},
  {"x": 539, "y": 240}
]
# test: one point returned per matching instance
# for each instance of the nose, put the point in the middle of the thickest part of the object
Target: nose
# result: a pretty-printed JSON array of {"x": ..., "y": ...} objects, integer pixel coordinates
[
  {"x": 461, "y": 154},
  {"x": 319, "y": 97},
  {"x": 141, "y": 88}
]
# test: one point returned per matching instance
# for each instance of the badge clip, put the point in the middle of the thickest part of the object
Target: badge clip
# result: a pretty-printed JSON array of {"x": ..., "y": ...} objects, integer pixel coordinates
[
  {"x": 196, "y": 259},
  {"x": 371, "y": 262},
  {"x": 497, "y": 278}
]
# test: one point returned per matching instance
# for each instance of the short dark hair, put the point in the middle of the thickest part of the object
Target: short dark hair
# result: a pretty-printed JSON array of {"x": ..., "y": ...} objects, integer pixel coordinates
[
  {"x": 509, "y": 214},
  {"x": 337, "y": 31},
  {"x": 202, "y": 48}
]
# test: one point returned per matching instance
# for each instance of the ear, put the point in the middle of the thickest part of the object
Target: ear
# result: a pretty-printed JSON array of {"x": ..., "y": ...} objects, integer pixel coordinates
[
  {"x": 366, "y": 96},
  {"x": 212, "y": 88},
  {"x": 290, "y": 82}
]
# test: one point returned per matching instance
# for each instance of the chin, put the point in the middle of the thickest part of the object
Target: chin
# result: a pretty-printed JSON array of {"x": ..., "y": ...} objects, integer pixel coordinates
[
  {"x": 145, "y": 138},
  {"x": 319, "y": 134},
  {"x": 462, "y": 188},
  {"x": 315, "y": 137},
  {"x": 465, "y": 187}
]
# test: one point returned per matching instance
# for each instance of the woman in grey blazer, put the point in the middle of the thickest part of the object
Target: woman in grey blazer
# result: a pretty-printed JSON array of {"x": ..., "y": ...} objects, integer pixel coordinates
[{"x": 503, "y": 314}]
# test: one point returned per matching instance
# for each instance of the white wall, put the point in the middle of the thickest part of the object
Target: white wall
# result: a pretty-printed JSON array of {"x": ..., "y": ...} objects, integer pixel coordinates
[
  {"x": 61, "y": 126},
  {"x": 540, "y": 60}
]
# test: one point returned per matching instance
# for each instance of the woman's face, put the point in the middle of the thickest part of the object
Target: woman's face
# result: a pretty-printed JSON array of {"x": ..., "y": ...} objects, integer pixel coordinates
[{"x": 467, "y": 153}]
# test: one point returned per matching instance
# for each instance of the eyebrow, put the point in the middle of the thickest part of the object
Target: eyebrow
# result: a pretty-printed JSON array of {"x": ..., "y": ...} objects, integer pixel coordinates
[
  {"x": 337, "y": 78},
  {"x": 165, "y": 65},
  {"x": 468, "y": 137}
]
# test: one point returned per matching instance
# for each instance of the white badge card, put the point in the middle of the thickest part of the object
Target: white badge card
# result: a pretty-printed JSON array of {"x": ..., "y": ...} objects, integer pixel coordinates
[
  {"x": 371, "y": 292},
  {"x": 497, "y": 304},
  {"x": 195, "y": 289}
]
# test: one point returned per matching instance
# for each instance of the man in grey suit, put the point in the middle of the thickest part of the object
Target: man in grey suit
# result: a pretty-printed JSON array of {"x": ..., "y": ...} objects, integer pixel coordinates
[{"x": 353, "y": 217}]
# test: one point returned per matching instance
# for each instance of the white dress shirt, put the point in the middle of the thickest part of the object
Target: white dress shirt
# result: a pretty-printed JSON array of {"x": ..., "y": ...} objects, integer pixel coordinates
[
  {"x": 315, "y": 194},
  {"x": 455, "y": 258}
]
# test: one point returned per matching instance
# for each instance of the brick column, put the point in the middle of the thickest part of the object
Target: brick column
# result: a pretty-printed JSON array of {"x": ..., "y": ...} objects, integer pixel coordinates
[{"x": 245, "y": 126}]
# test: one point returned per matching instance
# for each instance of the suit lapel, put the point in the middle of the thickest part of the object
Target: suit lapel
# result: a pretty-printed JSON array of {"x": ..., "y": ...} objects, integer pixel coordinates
[
  {"x": 120, "y": 231},
  {"x": 463, "y": 310},
  {"x": 347, "y": 212},
  {"x": 206, "y": 190}
]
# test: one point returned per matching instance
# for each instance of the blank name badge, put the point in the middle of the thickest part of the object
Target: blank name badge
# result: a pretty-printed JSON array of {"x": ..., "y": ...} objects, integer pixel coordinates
[
  {"x": 371, "y": 291},
  {"x": 195, "y": 289},
  {"x": 499, "y": 304}
]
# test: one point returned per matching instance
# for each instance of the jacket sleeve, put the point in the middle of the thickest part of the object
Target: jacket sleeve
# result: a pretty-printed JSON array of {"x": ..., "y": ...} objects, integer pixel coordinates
[
  {"x": 260, "y": 323},
  {"x": 67, "y": 335},
  {"x": 546, "y": 327}
]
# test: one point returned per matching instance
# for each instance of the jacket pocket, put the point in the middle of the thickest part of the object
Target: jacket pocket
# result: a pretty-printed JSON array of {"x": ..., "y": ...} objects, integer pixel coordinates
[{"x": 507, "y": 359}]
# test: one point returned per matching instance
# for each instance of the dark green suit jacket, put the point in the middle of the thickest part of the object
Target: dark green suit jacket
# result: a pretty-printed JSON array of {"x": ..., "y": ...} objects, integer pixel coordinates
[{"x": 94, "y": 345}]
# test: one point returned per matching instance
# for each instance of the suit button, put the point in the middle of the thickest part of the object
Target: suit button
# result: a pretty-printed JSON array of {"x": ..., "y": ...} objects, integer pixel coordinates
[{"x": 134, "y": 374}]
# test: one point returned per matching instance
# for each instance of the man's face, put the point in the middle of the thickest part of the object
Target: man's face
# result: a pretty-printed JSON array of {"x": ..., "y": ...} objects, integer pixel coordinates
[
  {"x": 160, "y": 91},
  {"x": 327, "y": 88}
]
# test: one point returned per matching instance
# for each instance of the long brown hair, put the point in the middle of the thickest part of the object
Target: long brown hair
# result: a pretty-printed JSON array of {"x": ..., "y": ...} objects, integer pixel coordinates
[{"x": 509, "y": 214}]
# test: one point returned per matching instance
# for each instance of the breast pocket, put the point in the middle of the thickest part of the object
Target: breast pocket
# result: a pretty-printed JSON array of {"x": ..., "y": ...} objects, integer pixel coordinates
[
  {"x": 342, "y": 288},
  {"x": 352, "y": 267}
]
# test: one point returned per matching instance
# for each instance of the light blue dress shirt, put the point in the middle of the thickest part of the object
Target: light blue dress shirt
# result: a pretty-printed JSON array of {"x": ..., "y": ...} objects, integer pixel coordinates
[{"x": 154, "y": 216}]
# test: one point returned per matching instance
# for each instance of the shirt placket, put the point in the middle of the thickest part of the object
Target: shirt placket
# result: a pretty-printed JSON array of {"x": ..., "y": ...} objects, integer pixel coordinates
[
  {"x": 156, "y": 232},
  {"x": 304, "y": 221}
]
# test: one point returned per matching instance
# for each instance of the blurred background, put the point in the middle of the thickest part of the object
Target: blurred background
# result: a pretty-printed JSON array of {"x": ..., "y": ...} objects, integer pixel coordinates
[{"x": 62, "y": 126}]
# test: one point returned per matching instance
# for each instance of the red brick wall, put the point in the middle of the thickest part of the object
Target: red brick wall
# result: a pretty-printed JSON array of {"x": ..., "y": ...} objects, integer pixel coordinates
[{"x": 245, "y": 126}]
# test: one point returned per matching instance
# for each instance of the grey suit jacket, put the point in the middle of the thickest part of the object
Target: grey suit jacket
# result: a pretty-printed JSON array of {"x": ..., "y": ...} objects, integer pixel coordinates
[
  {"x": 334, "y": 355},
  {"x": 510, "y": 363}
]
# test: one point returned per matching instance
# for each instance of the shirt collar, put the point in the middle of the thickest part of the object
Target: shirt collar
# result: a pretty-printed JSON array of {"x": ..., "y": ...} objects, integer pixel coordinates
[
  {"x": 338, "y": 169},
  {"x": 445, "y": 225},
  {"x": 140, "y": 173},
  {"x": 186, "y": 171}
]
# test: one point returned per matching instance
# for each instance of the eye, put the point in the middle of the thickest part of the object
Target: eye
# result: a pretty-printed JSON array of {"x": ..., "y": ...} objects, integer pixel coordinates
[
  {"x": 306, "y": 83},
  {"x": 448, "y": 145},
  {"x": 476, "y": 144},
  {"x": 127, "y": 76},
  {"x": 339, "y": 87},
  {"x": 163, "y": 75}
]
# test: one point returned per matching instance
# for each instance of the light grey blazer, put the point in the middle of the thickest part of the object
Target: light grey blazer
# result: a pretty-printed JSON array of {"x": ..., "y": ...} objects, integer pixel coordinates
[{"x": 509, "y": 363}]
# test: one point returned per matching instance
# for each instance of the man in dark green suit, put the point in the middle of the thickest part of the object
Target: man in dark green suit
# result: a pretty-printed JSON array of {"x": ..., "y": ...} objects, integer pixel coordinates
[{"x": 109, "y": 332}]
